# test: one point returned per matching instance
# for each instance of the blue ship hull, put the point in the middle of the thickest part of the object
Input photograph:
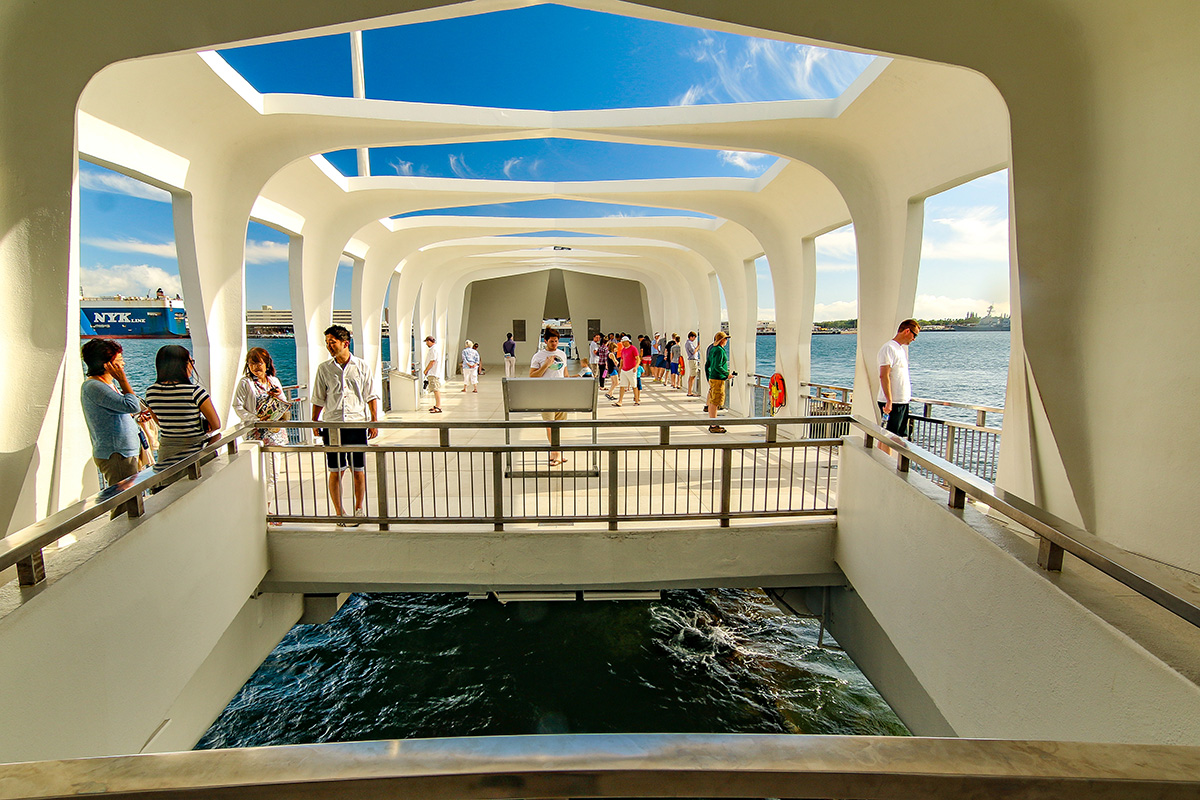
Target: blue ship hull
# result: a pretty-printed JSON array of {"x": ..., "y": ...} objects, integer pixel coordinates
[{"x": 132, "y": 319}]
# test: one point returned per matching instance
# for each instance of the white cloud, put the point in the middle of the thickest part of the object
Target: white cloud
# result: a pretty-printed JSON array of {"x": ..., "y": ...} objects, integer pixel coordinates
[
  {"x": 134, "y": 280},
  {"x": 929, "y": 306},
  {"x": 741, "y": 159},
  {"x": 164, "y": 250},
  {"x": 838, "y": 245},
  {"x": 458, "y": 165},
  {"x": 401, "y": 166},
  {"x": 840, "y": 309},
  {"x": 766, "y": 313},
  {"x": 266, "y": 252},
  {"x": 971, "y": 234},
  {"x": 116, "y": 183},
  {"x": 742, "y": 71}
]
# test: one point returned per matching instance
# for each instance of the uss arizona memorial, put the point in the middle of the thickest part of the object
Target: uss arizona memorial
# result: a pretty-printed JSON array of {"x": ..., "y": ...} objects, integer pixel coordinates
[{"x": 1084, "y": 102}]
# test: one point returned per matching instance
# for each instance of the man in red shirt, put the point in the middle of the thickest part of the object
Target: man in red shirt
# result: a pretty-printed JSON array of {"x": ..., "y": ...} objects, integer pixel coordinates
[{"x": 630, "y": 358}]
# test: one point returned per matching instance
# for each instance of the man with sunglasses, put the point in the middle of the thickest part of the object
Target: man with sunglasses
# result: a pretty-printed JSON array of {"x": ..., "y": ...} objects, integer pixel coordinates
[{"x": 895, "y": 386}]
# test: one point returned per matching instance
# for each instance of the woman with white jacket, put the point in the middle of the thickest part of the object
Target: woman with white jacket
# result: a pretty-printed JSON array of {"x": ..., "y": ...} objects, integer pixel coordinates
[{"x": 259, "y": 397}]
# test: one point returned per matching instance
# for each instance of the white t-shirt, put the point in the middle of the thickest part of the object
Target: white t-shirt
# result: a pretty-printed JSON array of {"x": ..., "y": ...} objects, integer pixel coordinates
[
  {"x": 433, "y": 354},
  {"x": 592, "y": 357},
  {"x": 542, "y": 356},
  {"x": 895, "y": 355}
]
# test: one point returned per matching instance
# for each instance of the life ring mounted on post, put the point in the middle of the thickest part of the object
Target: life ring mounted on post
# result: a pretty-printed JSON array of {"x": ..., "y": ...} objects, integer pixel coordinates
[{"x": 776, "y": 394}]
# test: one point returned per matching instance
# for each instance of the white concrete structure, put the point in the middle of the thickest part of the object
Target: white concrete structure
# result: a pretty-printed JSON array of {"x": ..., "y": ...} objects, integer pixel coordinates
[{"x": 1088, "y": 102}]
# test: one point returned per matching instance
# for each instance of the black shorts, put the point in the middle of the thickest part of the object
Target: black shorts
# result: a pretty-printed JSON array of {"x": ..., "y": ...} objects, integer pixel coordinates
[
  {"x": 897, "y": 421},
  {"x": 351, "y": 437}
]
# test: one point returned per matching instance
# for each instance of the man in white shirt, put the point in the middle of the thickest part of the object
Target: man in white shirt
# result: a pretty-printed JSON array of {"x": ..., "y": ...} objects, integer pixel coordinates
[
  {"x": 594, "y": 356},
  {"x": 550, "y": 363},
  {"x": 344, "y": 391},
  {"x": 895, "y": 386},
  {"x": 433, "y": 372}
]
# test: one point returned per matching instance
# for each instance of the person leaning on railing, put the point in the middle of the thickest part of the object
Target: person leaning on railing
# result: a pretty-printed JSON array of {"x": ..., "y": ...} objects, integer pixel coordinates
[
  {"x": 184, "y": 410},
  {"x": 108, "y": 411}
]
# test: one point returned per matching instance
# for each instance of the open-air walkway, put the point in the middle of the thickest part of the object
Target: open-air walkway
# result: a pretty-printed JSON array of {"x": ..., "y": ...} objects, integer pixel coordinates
[{"x": 633, "y": 474}]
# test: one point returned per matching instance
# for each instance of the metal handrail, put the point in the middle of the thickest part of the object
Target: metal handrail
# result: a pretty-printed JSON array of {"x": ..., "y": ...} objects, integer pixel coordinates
[
  {"x": 1055, "y": 534},
  {"x": 629, "y": 765},
  {"x": 23, "y": 548},
  {"x": 954, "y": 404}
]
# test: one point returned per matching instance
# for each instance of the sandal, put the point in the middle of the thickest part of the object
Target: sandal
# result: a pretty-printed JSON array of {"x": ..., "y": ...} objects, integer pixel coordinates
[
  {"x": 435, "y": 410},
  {"x": 616, "y": 405},
  {"x": 715, "y": 429}
]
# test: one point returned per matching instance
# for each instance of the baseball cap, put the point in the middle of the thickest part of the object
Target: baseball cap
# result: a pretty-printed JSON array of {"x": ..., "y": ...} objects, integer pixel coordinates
[{"x": 625, "y": 339}]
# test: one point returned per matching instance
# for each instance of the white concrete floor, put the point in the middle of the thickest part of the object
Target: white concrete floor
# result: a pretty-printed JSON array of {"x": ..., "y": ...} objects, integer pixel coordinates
[{"x": 660, "y": 484}]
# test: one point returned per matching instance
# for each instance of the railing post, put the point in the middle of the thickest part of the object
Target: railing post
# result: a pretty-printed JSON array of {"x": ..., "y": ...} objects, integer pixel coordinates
[
  {"x": 1050, "y": 555},
  {"x": 981, "y": 418},
  {"x": 903, "y": 464},
  {"x": 929, "y": 410},
  {"x": 726, "y": 484},
  {"x": 555, "y": 435},
  {"x": 772, "y": 433},
  {"x": 134, "y": 507},
  {"x": 868, "y": 441},
  {"x": 32, "y": 570},
  {"x": 194, "y": 471},
  {"x": 443, "y": 437},
  {"x": 612, "y": 489},
  {"x": 664, "y": 434},
  {"x": 951, "y": 435},
  {"x": 381, "y": 489},
  {"x": 232, "y": 447},
  {"x": 498, "y": 490},
  {"x": 958, "y": 498}
]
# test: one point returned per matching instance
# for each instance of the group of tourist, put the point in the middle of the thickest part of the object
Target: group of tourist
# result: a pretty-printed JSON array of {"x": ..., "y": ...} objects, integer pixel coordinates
[{"x": 177, "y": 419}]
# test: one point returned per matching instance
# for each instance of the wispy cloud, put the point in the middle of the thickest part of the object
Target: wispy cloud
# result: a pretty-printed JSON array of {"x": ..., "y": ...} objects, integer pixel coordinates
[
  {"x": 458, "y": 165},
  {"x": 837, "y": 251},
  {"x": 968, "y": 234},
  {"x": 266, "y": 252},
  {"x": 401, "y": 166},
  {"x": 115, "y": 183},
  {"x": 750, "y": 162},
  {"x": 134, "y": 280},
  {"x": 739, "y": 70},
  {"x": 163, "y": 250}
]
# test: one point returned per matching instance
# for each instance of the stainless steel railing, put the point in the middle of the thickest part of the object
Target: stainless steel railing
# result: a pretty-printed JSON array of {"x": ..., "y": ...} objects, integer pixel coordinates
[
  {"x": 611, "y": 482},
  {"x": 24, "y": 548},
  {"x": 1056, "y": 536},
  {"x": 633, "y": 766}
]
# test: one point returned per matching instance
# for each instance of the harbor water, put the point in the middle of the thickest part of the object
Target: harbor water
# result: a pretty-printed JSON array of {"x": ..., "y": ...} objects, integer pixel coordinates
[{"x": 420, "y": 665}]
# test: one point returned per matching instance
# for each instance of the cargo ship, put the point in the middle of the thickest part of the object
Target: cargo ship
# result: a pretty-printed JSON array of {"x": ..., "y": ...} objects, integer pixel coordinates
[{"x": 132, "y": 318}]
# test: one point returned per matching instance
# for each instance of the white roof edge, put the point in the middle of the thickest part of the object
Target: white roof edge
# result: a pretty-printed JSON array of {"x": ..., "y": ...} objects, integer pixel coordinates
[
  {"x": 548, "y": 223},
  {"x": 331, "y": 172},
  {"x": 860, "y": 84},
  {"x": 277, "y": 215},
  {"x": 417, "y": 183},
  {"x": 234, "y": 79}
]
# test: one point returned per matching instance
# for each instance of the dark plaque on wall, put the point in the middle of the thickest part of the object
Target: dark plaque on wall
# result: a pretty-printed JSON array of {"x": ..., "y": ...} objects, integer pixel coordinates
[
  {"x": 518, "y": 330},
  {"x": 593, "y": 327}
]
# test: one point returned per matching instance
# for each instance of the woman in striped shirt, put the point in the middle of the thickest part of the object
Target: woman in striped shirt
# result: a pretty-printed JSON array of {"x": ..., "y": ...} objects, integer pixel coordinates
[{"x": 186, "y": 416}]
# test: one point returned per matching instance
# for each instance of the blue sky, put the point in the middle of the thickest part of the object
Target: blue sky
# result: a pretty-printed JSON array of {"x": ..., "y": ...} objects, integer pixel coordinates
[
  {"x": 552, "y": 57},
  {"x": 554, "y": 160}
]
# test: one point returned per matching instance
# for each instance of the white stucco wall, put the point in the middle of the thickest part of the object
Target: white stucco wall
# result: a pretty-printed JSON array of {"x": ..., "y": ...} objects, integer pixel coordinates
[
  {"x": 145, "y": 629},
  {"x": 1002, "y": 649}
]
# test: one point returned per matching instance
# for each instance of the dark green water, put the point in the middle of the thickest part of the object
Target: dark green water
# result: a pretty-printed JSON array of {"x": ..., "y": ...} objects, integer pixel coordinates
[{"x": 411, "y": 665}]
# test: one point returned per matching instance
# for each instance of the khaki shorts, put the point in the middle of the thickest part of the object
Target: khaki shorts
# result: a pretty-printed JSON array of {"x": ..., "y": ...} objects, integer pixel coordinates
[
  {"x": 549, "y": 415},
  {"x": 629, "y": 378},
  {"x": 716, "y": 393},
  {"x": 435, "y": 383},
  {"x": 117, "y": 467}
]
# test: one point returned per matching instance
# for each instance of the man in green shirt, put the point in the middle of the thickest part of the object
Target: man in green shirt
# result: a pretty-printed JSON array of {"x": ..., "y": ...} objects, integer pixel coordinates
[{"x": 716, "y": 368}]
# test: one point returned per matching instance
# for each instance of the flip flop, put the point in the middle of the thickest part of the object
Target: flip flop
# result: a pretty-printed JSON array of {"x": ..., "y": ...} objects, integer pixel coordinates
[
  {"x": 435, "y": 410},
  {"x": 554, "y": 462}
]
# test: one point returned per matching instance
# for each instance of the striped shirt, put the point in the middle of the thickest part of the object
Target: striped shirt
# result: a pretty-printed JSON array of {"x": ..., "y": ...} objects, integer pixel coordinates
[{"x": 177, "y": 406}]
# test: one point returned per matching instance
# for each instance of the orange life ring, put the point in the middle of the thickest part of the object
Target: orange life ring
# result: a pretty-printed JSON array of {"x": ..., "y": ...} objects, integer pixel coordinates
[{"x": 776, "y": 393}]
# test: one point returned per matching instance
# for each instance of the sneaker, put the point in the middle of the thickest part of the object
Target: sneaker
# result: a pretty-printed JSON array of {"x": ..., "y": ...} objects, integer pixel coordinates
[{"x": 715, "y": 429}]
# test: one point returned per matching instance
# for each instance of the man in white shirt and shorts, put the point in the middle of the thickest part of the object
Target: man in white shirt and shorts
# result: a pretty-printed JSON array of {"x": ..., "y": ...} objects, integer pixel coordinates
[
  {"x": 550, "y": 363},
  {"x": 433, "y": 372},
  {"x": 895, "y": 386}
]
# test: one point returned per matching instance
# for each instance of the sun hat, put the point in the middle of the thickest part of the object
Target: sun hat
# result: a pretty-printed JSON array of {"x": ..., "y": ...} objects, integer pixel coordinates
[
  {"x": 624, "y": 338},
  {"x": 470, "y": 343}
]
